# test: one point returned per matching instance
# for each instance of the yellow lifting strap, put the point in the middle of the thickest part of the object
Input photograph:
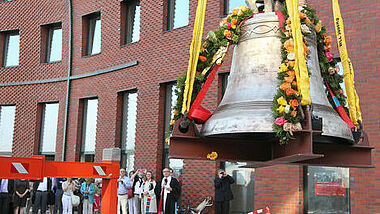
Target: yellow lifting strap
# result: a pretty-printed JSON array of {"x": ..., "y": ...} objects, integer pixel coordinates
[
  {"x": 300, "y": 67},
  {"x": 194, "y": 54},
  {"x": 348, "y": 70}
]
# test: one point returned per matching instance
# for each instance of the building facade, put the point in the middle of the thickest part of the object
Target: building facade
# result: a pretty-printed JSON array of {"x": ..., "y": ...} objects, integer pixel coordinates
[{"x": 80, "y": 76}]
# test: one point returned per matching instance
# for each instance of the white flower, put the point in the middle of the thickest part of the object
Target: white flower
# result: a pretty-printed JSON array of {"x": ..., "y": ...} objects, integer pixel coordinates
[
  {"x": 291, "y": 56},
  {"x": 305, "y": 29},
  {"x": 287, "y": 109}
]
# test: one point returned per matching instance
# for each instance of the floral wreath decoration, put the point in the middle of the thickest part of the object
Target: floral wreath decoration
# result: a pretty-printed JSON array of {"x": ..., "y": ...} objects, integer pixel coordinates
[{"x": 286, "y": 103}]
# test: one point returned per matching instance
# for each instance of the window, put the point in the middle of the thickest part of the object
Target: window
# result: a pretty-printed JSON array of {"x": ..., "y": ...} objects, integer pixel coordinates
[
  {"x": 10, "y": 48},
  {"x": 89, "y": 121},
  {"x": 229, "y": 5},
  {"x": 128, "y": 129},
  {"x": 48, "y": 132},
  {"x": 53, "y": 52},
  {"x": 7, "y": 121},
  {"x": 170, "y": 99},
  {"x": 92, "y": 34},
  {"x": 130, "y": 21},
  {"x": 177, "y": 14},
  {"x": 326, "y": 190}
]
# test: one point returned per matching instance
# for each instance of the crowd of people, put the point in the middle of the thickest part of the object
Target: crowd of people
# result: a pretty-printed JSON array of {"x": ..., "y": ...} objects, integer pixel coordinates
[
  {"x": 137, "y": 193},
  {"x": 20, "y": 196}
]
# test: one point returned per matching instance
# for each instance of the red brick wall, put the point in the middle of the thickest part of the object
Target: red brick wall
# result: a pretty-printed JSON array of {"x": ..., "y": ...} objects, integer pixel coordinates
[{"x": 161, "y": 57}]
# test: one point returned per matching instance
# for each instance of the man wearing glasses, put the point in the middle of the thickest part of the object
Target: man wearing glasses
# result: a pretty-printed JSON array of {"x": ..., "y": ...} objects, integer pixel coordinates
[{"x": 167, "y": 193}]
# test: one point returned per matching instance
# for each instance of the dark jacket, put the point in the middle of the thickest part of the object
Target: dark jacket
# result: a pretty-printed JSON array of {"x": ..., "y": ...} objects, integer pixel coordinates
[
  {"x": 223, "y": 188},
  {"x": 171, "y": 198}
]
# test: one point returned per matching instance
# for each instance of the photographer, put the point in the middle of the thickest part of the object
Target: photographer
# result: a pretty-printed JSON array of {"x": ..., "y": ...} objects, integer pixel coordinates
[
  {"x": 223, "y": 193},
  {"x": 88, "y": 190},
  {"x": 122, "y": 192}
]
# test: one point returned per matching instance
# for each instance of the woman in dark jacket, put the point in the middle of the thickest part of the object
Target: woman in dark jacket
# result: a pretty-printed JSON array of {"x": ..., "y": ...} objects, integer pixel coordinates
[
  {"x": 20, "y": 195},
  {"x": 223, "y": 193}
]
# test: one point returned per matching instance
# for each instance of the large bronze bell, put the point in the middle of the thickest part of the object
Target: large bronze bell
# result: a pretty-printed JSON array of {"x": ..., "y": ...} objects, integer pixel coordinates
[{"x": 246, "y": 106}]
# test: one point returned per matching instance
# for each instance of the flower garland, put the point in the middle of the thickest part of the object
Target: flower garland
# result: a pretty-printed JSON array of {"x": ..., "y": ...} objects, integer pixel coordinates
[
  {"x": 286, "y": 109},
  {"x": 227, "y": 32},
  {"x": 286, "y": 103}
]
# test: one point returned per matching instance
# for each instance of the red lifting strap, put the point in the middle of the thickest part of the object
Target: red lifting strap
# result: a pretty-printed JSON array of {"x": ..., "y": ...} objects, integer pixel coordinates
[
  {"x": 340, "y": 108},
  {"x": 197, "y": 112}
]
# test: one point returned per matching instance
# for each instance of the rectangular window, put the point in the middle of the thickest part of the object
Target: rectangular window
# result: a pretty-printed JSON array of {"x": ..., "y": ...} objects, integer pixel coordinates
[
  {"x": 177, "y": 14},
  {"x": 229, "y": 5},
  {"x": 128, "y": 129},
  {"x": 130, "y": 21},
  {"x": 326, "y": 190},
  {"x": 170, "y": 100},
  {"x": 89, "y": 121},
  {"x": 92, "y": 33},
  {"x": 7, "y": 122},
  {"x": 53, "y": 43},
  {"x": 48, "y": 132},
  {"x": 10, "y": 48}
]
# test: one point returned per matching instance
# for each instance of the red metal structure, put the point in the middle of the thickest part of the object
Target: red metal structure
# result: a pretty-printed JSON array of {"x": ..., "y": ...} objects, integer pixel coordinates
[{"x": 35, "y": 168}]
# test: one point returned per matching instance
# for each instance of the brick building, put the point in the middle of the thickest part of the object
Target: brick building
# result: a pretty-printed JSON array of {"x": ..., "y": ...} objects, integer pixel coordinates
[{"x": 80, "y": 76}]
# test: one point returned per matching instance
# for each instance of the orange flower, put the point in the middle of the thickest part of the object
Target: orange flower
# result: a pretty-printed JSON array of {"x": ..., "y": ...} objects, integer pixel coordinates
[
  {"x": 293, "y": 113},
  {"x": 288, "y": 21},
  {"x": 202, "y": 58},
  {"x": 290, "y": 91},
  {"x": 172, "y": 122},
  {"x": 302, "y": 15},
  {"x": 289, "y": 45},
  {"x": 293, "y": 103},
  {"x": 175, "y": 112},
  {"x": 291, "y": 73},
  {"x": 294, "y": 83},
  {"x": 235, "y": 11},
  {"x": 305, "y": 48},
  {"x": 328, "y": 40},
  {"x": 227, "y": 33},
  {"x": 289, "y": 79},
  {"x": 285, "y": 86},
  {"x": 307, "y": 20},
  {"x": 291, "y": 63},
  {"x": 233, "y": 22}
]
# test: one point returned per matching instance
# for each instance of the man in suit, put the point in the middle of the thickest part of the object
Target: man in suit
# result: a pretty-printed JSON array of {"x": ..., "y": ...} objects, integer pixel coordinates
[
  {"x": 223, "y": 193},
  {"x": 6, "y": 192},
  {"x": 167, "y": 193},
  {"x": 41, "y": 195}
]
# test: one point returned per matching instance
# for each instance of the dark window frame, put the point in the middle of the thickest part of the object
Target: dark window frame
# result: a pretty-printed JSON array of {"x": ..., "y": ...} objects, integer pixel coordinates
[
  {"x": 48, "y": 155},
  {"x": 88, "y": 32},
  {"x": 124, "y": 125},
  {"x": 49, "y": 37},
  {"x": 166, "y": 120},
  {"x": 128, "y": 13},
  {"x": 85, "y": 156},
  {"x": 5, "y": 46}
]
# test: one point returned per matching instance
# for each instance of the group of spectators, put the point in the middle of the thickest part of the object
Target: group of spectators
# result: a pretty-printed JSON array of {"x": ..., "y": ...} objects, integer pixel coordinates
[
  {"x": 139, "y": 193},
  {"x": 53, "y": 194}
]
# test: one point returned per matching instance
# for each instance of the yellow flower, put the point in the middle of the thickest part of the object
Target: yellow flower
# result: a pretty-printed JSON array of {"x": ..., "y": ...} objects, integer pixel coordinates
[
  {"x": 235, "y": 11},
  {"x": 227, "y": 33},
  {"x": 212, "y": 156},
  {"x": 283, "y": 68},
  {"x": 167, "y": 140},
  {"x": 318, "y": 27},
  {"x": 172, "y": 122},
  {"x": 281, "y": 109},
  {"x": 243, "y": 8},
  {"x": 282, "y": 101}
]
